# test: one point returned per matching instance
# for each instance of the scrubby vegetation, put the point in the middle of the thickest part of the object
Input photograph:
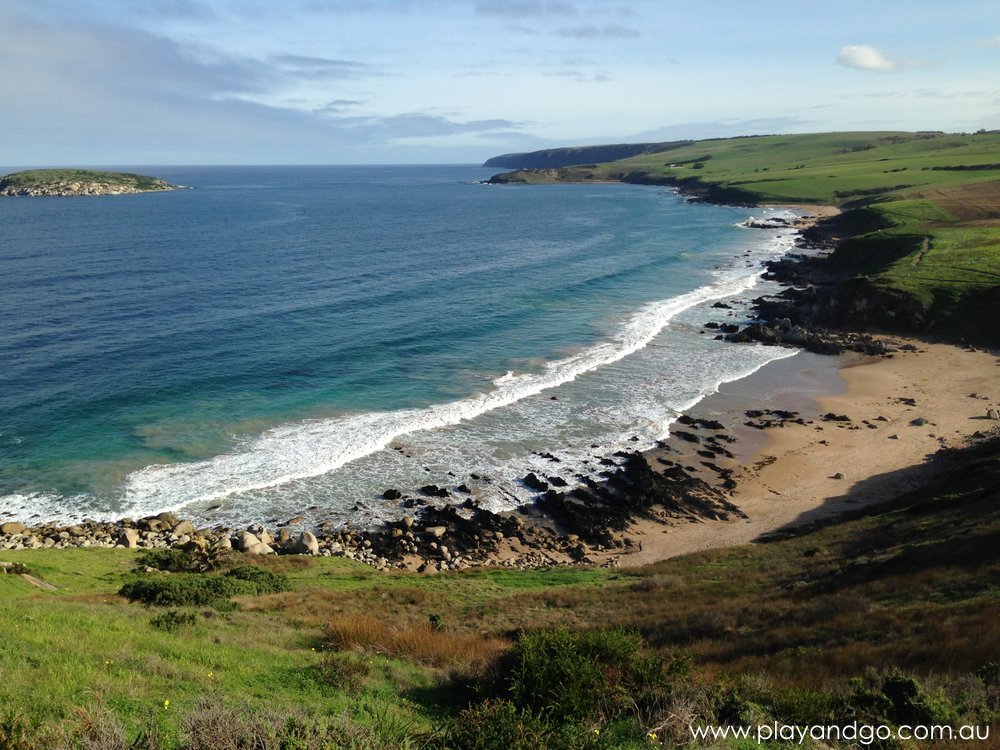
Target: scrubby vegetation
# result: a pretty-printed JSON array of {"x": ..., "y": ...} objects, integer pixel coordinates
[{"x": 199, "y": 590}]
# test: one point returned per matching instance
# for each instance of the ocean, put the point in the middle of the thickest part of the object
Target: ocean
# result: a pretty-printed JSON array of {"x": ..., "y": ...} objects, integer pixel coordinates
[{"x": 281, "y": 341}]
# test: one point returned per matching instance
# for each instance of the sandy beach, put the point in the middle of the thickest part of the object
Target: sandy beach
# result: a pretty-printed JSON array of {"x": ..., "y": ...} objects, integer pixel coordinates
[{"x": 900, "y": 411}]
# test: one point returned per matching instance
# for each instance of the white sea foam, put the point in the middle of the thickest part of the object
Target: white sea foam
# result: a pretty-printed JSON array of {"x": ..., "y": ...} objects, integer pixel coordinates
[
  {"x": 309, "y": 449},
  {"x": 285, "y": 455}
]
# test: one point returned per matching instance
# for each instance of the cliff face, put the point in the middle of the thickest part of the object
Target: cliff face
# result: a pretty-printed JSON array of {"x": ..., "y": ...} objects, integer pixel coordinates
[
  {"x": 553, "y": 158},
  {"x": 71, "y": 182}
]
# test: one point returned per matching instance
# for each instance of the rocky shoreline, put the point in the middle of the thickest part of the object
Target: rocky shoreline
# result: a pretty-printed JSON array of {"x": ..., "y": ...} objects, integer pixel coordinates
[
  {"x": 581, "y": 525},
  {"x": 586, "y": 524}
]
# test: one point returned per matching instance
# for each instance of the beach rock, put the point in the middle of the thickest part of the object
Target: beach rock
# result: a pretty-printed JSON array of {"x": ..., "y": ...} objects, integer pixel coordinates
[
  {"x": 167, "y": 519},
  {"x": 392, "y": 494},
  {"x": 259, "y": 549},
  {"x": 532, "y": 482},
  {"x": 194, "y": 545},
  {"x": 408, "y": 522},
  {"x": 838, "y": 475},
  {"x": 434, "y": 491},
  {"x": 993, "y": 414},
  {"x": 831, "y": 417},
  {"x": 128, "y": 538},
  {"x": 436, "y": 531},
  {"x": 183, "y": 527},
  {"x": 12, "y": 527},
  {"x": 306, "y": 544},
  {"x": 245, "y": 540}
]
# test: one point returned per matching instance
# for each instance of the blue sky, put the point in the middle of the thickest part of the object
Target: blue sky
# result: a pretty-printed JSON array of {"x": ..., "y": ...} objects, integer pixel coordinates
[{"x": 116, "y": 82}]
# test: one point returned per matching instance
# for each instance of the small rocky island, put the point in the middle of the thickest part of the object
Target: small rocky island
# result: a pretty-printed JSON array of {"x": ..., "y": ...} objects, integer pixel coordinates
[{"x": 65, "y": 182}]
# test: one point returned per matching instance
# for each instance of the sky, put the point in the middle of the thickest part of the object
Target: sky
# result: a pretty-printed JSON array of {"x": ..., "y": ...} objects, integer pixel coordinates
[{"x": 169, "y": 82}]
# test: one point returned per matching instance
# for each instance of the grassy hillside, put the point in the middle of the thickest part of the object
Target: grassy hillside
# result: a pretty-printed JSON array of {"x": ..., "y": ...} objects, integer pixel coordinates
[
  {"x": 889, "y": 617},
  {"x": 922, "y": 209},
  {"x": 565, "y": 157}
]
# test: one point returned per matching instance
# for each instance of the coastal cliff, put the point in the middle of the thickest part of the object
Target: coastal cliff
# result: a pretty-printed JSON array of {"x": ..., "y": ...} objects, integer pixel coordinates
[
  {"x": 73, "y": 182},
  {"x": 913, "y": 250},
  {"x": 552, "y": 158}
]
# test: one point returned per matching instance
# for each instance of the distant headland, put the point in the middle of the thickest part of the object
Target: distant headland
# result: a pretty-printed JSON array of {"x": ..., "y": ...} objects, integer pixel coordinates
[{"x": 68, "y": 182}]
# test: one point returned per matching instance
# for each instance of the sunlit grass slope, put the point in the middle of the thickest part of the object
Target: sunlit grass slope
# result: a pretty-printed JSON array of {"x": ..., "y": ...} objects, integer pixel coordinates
[{"x": 818, "y": 627}]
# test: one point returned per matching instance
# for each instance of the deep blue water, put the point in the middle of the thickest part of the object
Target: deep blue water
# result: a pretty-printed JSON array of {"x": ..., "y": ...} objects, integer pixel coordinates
[{"x": 279, "y": 337}]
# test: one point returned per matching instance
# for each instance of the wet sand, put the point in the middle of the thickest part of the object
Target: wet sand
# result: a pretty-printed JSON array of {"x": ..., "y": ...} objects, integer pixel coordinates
[{"x": 901, "y": 410}]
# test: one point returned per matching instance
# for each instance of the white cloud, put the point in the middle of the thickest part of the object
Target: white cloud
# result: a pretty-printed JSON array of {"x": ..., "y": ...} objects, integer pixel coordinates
[
  {"x": 865, "y": 57},
  {"x": 612, "y": 31},
  {"x": 993, "y": 41},
  {"x": 524, "y": 8}
]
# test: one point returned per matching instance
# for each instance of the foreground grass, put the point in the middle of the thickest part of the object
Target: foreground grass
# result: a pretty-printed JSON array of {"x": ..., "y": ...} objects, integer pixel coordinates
[
  {"x": 818, "y": 627},
  {"x": 923, "y": 209}
]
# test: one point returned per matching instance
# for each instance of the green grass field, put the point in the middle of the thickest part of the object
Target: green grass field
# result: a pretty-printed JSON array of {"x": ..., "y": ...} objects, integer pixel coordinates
[
  {"x": 801, "y": 630},
  {"x": 941, "y": 188}
]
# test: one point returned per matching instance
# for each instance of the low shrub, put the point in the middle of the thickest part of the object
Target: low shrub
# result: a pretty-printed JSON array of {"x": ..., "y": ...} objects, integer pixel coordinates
[
  {"x": 194, "y": 589},
  {"x": 897, "y": 698},
  {"x": 173, "y": 620},
  {"x": 178, "y": 560},
  {"x": 598, "y": 675}
]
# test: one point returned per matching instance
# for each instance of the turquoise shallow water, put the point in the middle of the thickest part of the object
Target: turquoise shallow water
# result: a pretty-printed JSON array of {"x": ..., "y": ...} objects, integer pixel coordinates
[{"x": 279, "y": 339}]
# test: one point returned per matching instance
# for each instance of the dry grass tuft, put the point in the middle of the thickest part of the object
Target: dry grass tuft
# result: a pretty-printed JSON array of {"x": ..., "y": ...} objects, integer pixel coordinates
[{"x": 420, "y": 642}]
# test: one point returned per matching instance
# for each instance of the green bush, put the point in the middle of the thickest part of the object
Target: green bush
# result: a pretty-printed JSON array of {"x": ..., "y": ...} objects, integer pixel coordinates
[
  {"x": 263, "y": 580},
  {"x": 598, "y": 675},
  {"x": 899, "y": 699},
  {"x": 174, "y": 559},
  {"x": 173, "y": 620},
  {"x": 195, "y": 589},
  {"x": 178, "y": 560}
]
